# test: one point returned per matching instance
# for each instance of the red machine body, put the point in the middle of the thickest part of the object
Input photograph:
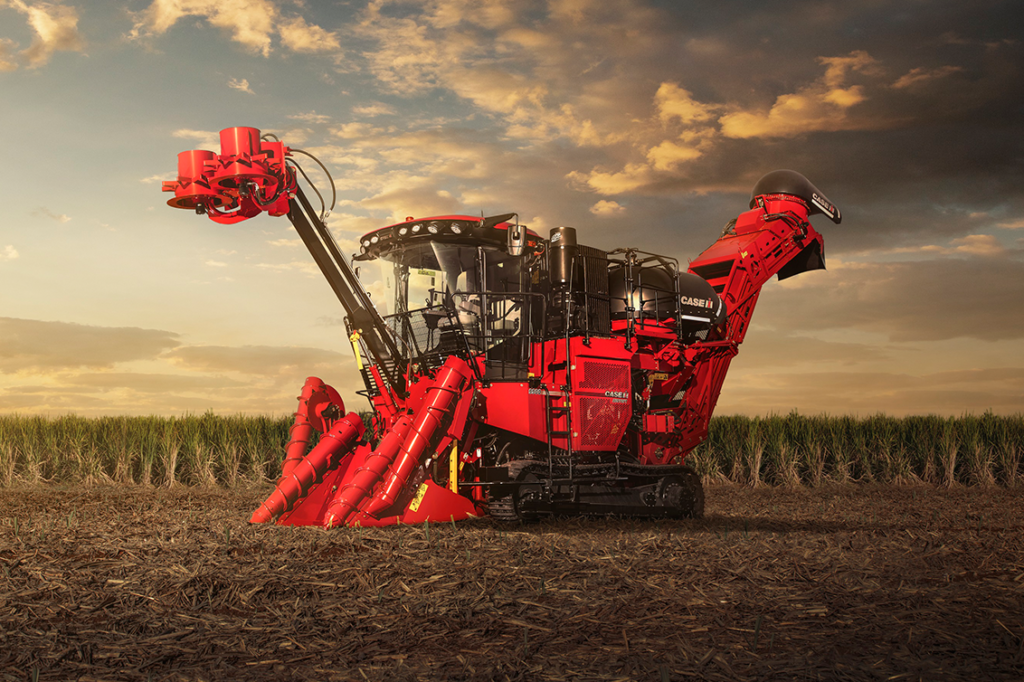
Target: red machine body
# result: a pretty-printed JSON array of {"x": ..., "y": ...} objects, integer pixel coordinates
[{"x": 507, "y": 373}]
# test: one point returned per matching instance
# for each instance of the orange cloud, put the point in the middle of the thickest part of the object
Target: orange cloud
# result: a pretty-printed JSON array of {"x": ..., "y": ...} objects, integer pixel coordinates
[
  {"x": 55, "y": 29},
  {"x": 918, "y": 76},
  {"x": 299, "y": 36},
  {"x": 33, "y": 345},
  {"x": 5, "y": 50},
  {"x": 823, "y": 105},
  {"x": 972, "y": 244},
  {"x": 607, "y": 208},
  {"x": 252, "y": 23},
  {"x": 684, "y": 129},
  {"x": 675, "y": 103}
]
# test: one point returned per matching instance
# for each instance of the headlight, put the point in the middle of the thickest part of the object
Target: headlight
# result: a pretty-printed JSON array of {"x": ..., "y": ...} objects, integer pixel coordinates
[
  {"x": 374, "y": 239},
  {"x": 366, "y": 243},
  {"x": 402, "y": 231},
  {"x": 416, "y": 228},
  {"x": 362, "y": 249},
  {"x": 457, "y": 228},
  {"x": 433, "y": 228}
]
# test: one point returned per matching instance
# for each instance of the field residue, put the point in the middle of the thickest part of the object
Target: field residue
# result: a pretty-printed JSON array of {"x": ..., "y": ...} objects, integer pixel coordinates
[{"x": 850, "y": 582}]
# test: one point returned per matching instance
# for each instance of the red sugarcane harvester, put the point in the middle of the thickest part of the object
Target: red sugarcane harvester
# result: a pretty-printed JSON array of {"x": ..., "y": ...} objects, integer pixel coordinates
[{"x": 509, "y": 374}]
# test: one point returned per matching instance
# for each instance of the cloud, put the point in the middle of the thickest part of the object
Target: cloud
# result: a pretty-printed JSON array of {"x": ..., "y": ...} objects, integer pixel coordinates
[
  {"x": 373, "y": 109},
  {"x": 310, "y": 117},
  {"x": 242, "y": 85},
  {"x": 355, "y": 130},
  {"x": 306, "y": 267},
  {"x": 285, "y": 242},
  {"x": 417, "y": 172},
  {"x": 823, "y": 105},
  {"x": 257, "y": 360},
  {"x": 55, "y": 29},
  {"x": 205, "y": 139},
  {"x": 216, "y": 264},
  {"x": 47, "y": 213},
  {"x": 488, "y": 14},
  {"x": 348, "y": 227},
  {"x": 8, "y": 253},
  {"x": 6, "y": 47},
  {"x": 972, "y": 244},
  {"x": 685, "y": 132},
  {"x": 299, "y": 36},
  {"x": 669, "y": 155},
  {"x": 61, "y": 367},
  {"x": 968, "y": 296},
  {"x": 607, "y": 208},
  {"x": 292, "y": 137},
  {"x": 151, "y": 383},
  {"x": 603, "y": 181},
  {"x": 772, "y": 347},
  {"x": 1012, "y": 224},
  {"x": 683, "y": 129},
  {"x": 674, "y": 103},
  {"x": 34, "y": 345},
  {"x": 978, "y": 245},
  {"x": 919, "y": 76},
  {"x": 525, "y": 77},
  {"x": 413, "y": 201},
  {"x": 251, "y": 23},
  {"x": 868, "y": 392},
  {"x": 710, "y": 114}
]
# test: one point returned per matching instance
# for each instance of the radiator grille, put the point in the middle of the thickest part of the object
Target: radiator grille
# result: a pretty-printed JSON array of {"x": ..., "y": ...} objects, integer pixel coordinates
[{"x": 603, "y": 376}]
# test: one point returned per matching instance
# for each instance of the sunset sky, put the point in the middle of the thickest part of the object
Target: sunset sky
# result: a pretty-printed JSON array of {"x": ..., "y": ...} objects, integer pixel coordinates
[{"x": 642, "y": 124}]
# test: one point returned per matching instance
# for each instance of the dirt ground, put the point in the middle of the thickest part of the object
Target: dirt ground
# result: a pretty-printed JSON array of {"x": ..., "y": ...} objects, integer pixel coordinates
[{"x": 852, "y": 582}]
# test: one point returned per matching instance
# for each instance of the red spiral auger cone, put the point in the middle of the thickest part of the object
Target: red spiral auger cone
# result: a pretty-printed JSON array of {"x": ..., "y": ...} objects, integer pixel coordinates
[
  {"x": 301, "y": 430},
  {"x": 407, "y": 442},
  {"x": 342, "y": 437},
  {"x": 432, "y": 419},
  {"x": 367, "y": 476},
  {"x": 317, "y": 398}
]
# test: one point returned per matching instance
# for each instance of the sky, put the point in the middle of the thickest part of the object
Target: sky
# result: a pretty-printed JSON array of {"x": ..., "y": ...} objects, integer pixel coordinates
[{"x": 642, "y": 124}]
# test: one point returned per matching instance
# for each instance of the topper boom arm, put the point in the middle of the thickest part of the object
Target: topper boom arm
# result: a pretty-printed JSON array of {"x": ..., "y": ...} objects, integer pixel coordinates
[{"x": 362, "y": 314}]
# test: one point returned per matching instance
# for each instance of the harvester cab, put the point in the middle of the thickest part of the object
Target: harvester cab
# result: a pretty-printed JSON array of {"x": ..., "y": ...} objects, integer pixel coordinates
[
  {"x": 452, "y": 285},
  {"x": 508, "y": 373}
]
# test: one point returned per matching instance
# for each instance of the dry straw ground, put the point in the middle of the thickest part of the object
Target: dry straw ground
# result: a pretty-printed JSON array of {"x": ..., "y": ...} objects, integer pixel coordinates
[{"x": 846, "y": 582}]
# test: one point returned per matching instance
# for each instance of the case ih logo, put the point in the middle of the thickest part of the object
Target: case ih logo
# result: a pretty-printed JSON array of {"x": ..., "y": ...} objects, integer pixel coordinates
[
  {"x": 616, "y": 394},
  {"x": 824, "y": 204},
  {"x": 697, "y": 302}
]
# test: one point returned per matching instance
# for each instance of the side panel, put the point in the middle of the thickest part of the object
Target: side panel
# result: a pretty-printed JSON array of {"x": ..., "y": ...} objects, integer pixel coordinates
[{"x": 515, "y": 407}]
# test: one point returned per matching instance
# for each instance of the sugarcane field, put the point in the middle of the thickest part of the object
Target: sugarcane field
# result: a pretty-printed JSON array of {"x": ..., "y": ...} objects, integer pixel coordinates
[{"x": 140, "y": 566}]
